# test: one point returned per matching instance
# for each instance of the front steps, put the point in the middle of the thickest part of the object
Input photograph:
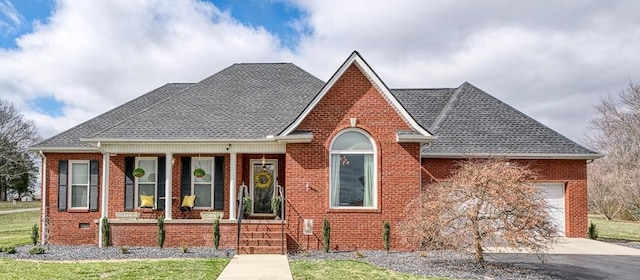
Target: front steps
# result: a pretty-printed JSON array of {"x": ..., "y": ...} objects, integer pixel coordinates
[{"x": 262, "y": 237}]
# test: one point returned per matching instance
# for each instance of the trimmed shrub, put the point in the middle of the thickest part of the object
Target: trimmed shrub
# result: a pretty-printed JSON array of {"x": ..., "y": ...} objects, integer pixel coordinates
[
  {"x": 326, "y": 235},
  {"x": 161, "y": 232},
  {"x": 106, "y": 232},
  {"x": 593, "y": 231},
  {"x": 386, "y": 229},
  {"x": 216, "y": 233},
  {"x": 8, "y": 250},
  {"x": 35, "y": 234},
  {"x": 36, "y": 250}
]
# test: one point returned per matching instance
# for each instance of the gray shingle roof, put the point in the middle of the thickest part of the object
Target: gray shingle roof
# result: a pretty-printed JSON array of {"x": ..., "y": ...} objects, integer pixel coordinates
[
  {"x": 474, "y": 122},
  {"x": 243, "y": 101},
  {"x": 70, "y": 138},
  {"x": 251, "y": 101}
]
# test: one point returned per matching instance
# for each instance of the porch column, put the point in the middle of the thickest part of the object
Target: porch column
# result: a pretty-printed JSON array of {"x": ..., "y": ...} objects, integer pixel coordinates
[
  {"x": 105, "y": 194},
  {"x": 168, "y": 195},
  {"x": 232, "y": 185}
]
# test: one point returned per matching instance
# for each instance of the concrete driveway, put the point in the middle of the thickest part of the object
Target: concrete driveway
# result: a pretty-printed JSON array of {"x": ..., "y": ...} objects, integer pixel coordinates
[{"x": 579, "y": 258}]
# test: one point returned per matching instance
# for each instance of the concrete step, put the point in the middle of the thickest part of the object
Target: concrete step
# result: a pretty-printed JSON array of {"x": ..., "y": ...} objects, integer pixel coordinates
[{"x": 261, "y": 249}]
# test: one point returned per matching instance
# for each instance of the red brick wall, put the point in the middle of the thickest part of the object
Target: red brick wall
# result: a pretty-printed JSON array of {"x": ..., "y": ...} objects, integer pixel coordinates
[
  {"x": 571, "y": 172},
  {"x": 176, "y": 234},
  {"x": 64, "y": 227},
  {"x": 398, "y": 170},
  {"x": 116, "y": 184}
]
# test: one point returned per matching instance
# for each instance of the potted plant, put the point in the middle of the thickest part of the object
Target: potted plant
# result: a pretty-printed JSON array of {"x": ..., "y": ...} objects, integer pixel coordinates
[
  {"x": 275, "y": 205},
  {"x": 247, "y": 206},
  {"x": 138, "y": 172},
  {"x": 199, "y": 172}
]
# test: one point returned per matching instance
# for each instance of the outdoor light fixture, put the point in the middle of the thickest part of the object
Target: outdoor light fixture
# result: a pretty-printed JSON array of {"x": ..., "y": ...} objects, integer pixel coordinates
[{"x": 264, "y": 162}]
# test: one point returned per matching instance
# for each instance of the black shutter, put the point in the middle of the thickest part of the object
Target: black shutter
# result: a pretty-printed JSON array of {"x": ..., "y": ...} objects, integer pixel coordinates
[
  {"x": 129, "y": 163},
  {"x": 93, "y": 185},
  {"x": 185, "y": 178},
  {"x": 218, "y": 184},
  {"x": 162, "y": 168},
  {"x": 63, "y": 179}
]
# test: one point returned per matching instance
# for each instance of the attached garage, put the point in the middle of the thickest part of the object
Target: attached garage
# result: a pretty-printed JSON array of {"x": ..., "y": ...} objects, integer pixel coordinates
[{"x": 554, "y": 195}]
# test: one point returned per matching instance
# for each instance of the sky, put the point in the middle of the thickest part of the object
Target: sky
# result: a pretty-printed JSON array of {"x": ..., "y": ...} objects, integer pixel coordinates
[{"x": 66, "y": 61}]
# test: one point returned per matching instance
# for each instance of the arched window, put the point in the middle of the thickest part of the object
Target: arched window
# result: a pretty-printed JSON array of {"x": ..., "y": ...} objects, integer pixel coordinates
[{"x": 353, "y": 178}]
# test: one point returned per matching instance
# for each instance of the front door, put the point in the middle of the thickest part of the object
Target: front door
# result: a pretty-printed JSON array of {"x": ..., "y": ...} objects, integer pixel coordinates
[{"x": 263, "y": 182}]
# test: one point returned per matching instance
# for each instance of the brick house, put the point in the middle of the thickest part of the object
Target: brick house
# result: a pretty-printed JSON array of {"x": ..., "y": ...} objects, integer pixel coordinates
[{"x": 350, "y": 150}]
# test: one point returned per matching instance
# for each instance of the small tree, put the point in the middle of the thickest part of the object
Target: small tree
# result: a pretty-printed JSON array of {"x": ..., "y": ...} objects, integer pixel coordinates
[
  {"x": 386, "y": 230},
  {"x": 161, "y": 232},
  {"x": 216, "y": 233},
  {"x": 326, "y": 235},
  {"x": 35, "y": 234},
  {"x": 106, "y": 232},
  {"x": 484, "y": 203}
]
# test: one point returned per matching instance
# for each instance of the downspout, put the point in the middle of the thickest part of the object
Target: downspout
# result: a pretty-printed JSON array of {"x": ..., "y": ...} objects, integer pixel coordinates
[
  {"x": 104, "y": 211},
  {"x": 43, "y": 196}
]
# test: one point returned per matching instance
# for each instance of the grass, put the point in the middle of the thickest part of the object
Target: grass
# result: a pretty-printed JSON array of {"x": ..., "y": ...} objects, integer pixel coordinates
[
  {"x": 8, "y": 205},
  {"x": 616, "y": 229},
  {"x": 345, "y": 269},
  {"x": 147, "y": 269},
  {"x": 15, "y": 229}
]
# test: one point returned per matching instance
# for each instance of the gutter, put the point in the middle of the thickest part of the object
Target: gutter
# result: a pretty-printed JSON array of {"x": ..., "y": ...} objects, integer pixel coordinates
[
  {"x": 512, "y": 156},
  {"x": 43, "y": 196}
]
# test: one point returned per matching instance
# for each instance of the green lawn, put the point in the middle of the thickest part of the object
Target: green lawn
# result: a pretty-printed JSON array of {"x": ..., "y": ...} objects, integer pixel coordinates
[
  {"x": 147, "y": 269},
  {"x": 620, "y": 230},
  {"x": 15, "y": 228},
  {"x": 342, "y": 269},
  {"x": 8, "y": 205}
]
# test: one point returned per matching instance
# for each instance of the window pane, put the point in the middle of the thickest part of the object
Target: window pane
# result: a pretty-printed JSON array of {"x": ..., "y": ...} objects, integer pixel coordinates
[
  {"x": 352, "y": 180},
  {"x": 352, "y": 141},
  {"x": 80, "y": 173},
  {"x": 207, "y": 165},
  {"x": 203, "y": 195},
  {"x": 146, "y": 189},
  {"x": 79, "y": 196},
  {"x": 149, "y": 166}
]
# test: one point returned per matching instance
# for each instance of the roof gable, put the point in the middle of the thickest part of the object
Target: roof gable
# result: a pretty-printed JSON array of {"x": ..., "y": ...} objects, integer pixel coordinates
[{"x": 358, "y": 61}]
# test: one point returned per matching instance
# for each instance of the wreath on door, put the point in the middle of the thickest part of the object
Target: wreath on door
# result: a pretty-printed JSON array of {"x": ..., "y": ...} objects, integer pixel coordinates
[{"x": 262, "y": 179}]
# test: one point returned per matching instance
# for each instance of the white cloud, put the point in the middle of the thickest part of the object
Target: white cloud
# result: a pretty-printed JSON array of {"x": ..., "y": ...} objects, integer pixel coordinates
[
  {"x": 552, "y": 60},
  {"x": 10, "y": 18},
  {"x": 94, "y": 55}
]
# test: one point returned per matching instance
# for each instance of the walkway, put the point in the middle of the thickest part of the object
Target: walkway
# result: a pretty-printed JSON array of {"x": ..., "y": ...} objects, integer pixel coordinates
[
  {"x": 271, "y": 267},
  {"x": 18, "y": 210}
]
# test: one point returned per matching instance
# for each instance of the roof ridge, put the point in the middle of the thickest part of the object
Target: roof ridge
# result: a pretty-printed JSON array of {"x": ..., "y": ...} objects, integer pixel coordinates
[
  {"x": 446, "y": 109},
  {"x": 145, "y": 109}
]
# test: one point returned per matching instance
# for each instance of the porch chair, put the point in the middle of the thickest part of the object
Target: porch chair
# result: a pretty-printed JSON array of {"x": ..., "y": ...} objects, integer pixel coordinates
[
  {"x": 187, "y": 205},
  {"x": 146, "y": 205}
]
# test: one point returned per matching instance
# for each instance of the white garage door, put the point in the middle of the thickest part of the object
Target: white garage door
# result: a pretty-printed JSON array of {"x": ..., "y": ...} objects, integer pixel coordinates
[{"x": 554, "y": 194}]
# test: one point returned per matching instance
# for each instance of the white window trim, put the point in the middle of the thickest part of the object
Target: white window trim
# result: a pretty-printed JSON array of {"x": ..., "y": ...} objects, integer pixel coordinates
[
  {"x": 193, "y": 180},
  {"x": 155, "y": 185},
  {"x": 70, "y": 183},
  {"x": 375, "y": 169}
]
